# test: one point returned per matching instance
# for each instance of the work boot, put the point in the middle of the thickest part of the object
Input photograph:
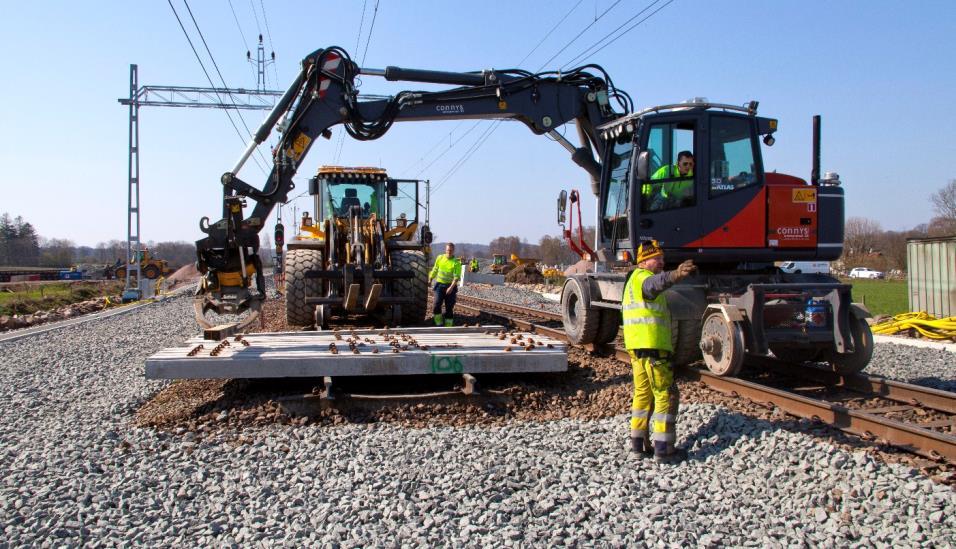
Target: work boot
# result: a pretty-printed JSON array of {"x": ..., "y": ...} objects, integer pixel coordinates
[
  {"x": 449, "y": 322},
  {"x": 439, "y": 320},
  {"x": 676, "y": 456},
  {"x": 640, "y": 449}
]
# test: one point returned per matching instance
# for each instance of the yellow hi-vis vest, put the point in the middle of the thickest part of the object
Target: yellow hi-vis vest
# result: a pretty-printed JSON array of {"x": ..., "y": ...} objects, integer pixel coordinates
[
  {"x": 446, "y": 270},
  {"x": 647, "y": 324}
]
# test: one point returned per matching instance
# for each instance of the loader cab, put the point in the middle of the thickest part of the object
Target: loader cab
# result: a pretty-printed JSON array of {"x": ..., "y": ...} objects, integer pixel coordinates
[
  {"x": 339, "y": 192},
  {"x": 686, "y": 175}
]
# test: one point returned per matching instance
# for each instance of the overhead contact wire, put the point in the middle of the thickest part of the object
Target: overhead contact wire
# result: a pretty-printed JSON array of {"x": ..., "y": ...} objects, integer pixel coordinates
[{"x": 208, "y": 78}]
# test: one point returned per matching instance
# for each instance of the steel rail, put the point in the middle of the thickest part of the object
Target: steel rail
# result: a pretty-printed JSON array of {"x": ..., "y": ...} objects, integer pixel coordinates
[{"x": 869, "y": 426}]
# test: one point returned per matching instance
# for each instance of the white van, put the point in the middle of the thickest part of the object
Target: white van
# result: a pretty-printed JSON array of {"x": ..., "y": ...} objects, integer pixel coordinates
[{"x": 797, "y": 267}]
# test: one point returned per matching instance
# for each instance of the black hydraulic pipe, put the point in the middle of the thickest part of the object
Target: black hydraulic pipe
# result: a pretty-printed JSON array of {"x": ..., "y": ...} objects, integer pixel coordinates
[
  {"x": 281, "y": 107},
  {"x": 395, "y": 74},
  {"x": 815, "y": 174}
]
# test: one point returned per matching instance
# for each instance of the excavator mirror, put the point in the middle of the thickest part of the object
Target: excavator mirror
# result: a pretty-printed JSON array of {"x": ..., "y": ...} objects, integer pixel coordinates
[
  {"x": 562, "y": 206},
  {"x": 643, "y": 164},
  {"x": 392, "y": 187}
]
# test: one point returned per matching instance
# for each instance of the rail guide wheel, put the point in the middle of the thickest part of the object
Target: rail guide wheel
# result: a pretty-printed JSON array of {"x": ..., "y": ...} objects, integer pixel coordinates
[
  {"x": 722, "y": 343},
  {"x": 322, "y": 315}
]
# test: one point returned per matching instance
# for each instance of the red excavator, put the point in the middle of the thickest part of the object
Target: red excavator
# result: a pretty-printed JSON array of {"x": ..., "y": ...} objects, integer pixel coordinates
[{"x": 726, "y": 212}]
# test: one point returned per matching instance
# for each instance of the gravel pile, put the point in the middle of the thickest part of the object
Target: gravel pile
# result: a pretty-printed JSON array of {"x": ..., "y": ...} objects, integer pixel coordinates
[
  {"x": 928, "y": 367},
  {"x": 511, "y": 294},
  {"x": 78, "y": 471}
]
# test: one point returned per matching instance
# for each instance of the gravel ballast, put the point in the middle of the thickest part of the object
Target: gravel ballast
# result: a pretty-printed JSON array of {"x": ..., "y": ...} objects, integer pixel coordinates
[
  {"x": 928, "y": 367},
  {"x": 77, "y": 471}
]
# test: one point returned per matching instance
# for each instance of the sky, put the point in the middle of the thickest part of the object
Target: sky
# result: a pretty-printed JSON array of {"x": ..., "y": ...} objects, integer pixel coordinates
[{"x": 880, "y": 73}]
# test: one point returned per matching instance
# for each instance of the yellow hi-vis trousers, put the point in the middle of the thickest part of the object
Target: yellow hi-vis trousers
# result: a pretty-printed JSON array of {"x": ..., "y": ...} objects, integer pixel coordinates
[{"x": 655, "y": 402}]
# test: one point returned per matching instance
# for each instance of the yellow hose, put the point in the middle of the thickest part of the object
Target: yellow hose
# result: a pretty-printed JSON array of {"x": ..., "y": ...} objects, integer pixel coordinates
[{"x": 926, "y": 324}]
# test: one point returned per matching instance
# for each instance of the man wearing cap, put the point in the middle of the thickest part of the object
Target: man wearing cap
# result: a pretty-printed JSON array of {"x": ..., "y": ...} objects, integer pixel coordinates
[{"x": 647, "y": 337}]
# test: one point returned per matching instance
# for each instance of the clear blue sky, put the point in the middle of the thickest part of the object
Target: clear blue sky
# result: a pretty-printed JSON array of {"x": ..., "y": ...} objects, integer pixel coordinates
[{"x": 881, "y": 73}]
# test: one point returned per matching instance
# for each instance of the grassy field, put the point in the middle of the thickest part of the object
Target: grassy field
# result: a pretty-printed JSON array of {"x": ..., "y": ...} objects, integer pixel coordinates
[
  {"x": 29, "y": 298},
  {"x": 882, "y": 297}
]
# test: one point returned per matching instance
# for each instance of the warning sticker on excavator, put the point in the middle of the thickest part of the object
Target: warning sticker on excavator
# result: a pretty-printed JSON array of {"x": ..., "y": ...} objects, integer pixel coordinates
[
  {"x": 804, "y": 195},
  {"x": 299, "y": 145}
]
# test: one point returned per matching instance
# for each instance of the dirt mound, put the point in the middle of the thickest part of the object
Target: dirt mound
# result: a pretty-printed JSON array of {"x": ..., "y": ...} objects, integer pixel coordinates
[
  {"x": 580, "y": 267},
  {"x": 525, "y": 274},
  {"x": 186, "y": 274}
]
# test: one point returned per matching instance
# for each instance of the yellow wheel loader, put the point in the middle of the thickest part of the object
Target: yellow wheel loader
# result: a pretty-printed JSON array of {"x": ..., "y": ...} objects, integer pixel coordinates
[{"x": 365, "y": 252}]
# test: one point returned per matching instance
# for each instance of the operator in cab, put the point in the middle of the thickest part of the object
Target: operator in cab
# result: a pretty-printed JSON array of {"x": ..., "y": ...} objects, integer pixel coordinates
[
  {"x": 446, "y": 273},
  {"x": 671, "y": 194},
  {"x": 647, "y": 337}
]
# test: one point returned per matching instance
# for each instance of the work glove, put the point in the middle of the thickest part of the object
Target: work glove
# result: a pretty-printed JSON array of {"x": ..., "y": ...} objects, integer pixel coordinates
[{"x": 682, "y": 271}]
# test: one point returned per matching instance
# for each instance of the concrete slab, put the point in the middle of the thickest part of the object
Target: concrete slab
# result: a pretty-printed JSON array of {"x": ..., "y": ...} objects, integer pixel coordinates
[
  {"x": 456, "y": 350},
  {"x": 483, "y": 278}
]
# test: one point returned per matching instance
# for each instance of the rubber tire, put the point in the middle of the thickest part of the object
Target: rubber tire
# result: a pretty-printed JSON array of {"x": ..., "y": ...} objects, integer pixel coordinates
[
  {"x": 685, "y": 338},
  {"x": 119, "y": 273},
  {"x": 580, "y": 324},
  {"x": 151, "y": 272},
  {"x": 297, "y": 262},
  {"x": 855, "y": 362},
  {"x": 609, "y": 324},
  {"x": 417, "y": 288}
]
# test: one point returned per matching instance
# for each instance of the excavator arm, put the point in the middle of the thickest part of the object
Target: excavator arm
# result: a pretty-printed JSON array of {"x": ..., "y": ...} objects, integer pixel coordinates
[{"x": 325, "y": 93}]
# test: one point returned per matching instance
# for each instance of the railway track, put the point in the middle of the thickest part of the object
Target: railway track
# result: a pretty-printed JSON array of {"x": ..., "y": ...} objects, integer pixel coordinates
[{"x": 917, "y": 419}]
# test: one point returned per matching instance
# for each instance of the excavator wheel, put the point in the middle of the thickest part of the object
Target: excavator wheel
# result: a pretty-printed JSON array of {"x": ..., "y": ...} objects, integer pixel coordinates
[
  {"x": 411, "y": 314},
  {"x": 722, "y": 342},
  {"x": 685, "y": 338},
  {"x": 580, "y": 324},
  {"x": 151, "y": 272},
  {"x": 853, "y": 363},
  {"x": 297, "y": 262},
  {"x": 119, "y": 273},
  {"x": 608, "y": 326}
]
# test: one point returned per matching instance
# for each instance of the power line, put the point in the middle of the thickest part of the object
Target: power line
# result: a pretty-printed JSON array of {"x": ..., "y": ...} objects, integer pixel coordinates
[
  {"x": 370, "y": 29},
  {"x": 468, "y": 154},
  {"x": 534, "y": 49},
  {"x": 433, "y": 147},
  {"x": 450, "y": 147},
  {"x": 238, "y": 26},
  {"x": 256, "y": 15},
  {"x": 476, "y": 124},
  {"x": 203, "y": 67},
  {"x": 578, "y": 35},
  {"x": 223, "y": 80},
  {"x": 583, "y": 55}
]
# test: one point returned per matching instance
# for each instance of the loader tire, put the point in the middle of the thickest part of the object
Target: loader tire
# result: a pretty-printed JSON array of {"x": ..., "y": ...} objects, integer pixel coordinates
[
  {"x": 685, "y": 338},
  {"x": 151, "y": 272},
  {"x": 119, "y": 273},
  {"x": 608, "y": 326},
  {"x": 416, "y": 287},
  {"x": 297, "y": 262}
]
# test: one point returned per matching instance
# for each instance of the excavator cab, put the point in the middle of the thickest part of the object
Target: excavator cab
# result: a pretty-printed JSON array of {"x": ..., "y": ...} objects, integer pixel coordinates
[{"x": 691, "y": 176}]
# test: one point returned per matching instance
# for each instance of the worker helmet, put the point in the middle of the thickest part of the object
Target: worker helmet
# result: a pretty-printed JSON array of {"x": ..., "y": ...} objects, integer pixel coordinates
[{"x": 649, "y": 250}]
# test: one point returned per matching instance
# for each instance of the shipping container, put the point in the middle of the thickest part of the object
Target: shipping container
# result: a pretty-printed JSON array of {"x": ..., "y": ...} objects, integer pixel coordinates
[{"x": 931, "y": 275}]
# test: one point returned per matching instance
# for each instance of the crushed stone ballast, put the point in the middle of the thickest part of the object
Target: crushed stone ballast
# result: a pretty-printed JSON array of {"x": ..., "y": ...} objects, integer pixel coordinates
[{"x": 369, "y": 352}]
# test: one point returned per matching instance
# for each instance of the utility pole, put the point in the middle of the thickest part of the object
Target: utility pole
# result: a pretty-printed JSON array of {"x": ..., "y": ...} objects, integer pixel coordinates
[
  {"x": 174, "y": 96},
  {"x": 261, "y": 63}
]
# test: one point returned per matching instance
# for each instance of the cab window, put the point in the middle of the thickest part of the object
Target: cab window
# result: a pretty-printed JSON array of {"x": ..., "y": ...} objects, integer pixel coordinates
[
  {"x": 732, "y": 165},
  {"x": 403, "y": 207},
  {"x": 615, "y": 206},
  {"x": 672, "y": 164}
]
